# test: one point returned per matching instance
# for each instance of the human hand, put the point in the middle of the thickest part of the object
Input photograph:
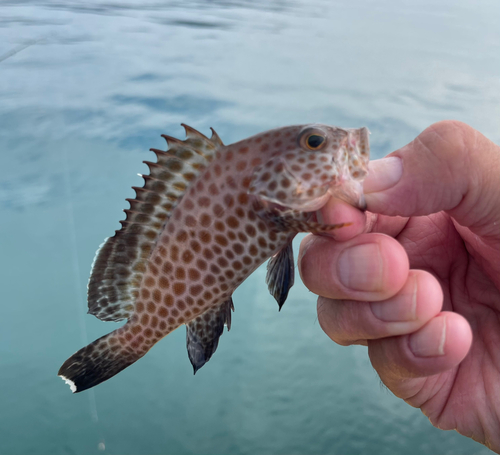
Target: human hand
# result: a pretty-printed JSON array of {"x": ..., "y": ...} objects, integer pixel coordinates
[{"x": 418, "y": 281}]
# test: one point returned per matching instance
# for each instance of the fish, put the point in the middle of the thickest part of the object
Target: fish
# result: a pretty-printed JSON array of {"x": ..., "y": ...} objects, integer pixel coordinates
[{"x": 206, "y": 217}]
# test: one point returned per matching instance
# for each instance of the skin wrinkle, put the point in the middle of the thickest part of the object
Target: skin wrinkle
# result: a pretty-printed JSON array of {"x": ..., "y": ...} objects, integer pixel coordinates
[
  {"x": 322, "y": 309},
  {"x": 458, "y": 133},
  {"x": 486, "y": 422},
  {"x": 460, "y": 284},
  {"x": 447, "y": 234},
  {"x": 490, "y": 343},
  {"x": 375, "y": 224},
  {"x": 447, "y": 166},
  {"x": 493, "y": 226},
  {"x": 489, "y": 174},
  {"x": 414, "y": 399},
  {"x": 476, "y": 183},
  {"x": 471, "y": 434},
  {"x": 432, "y": 247},
  {"x": 479, "y": 250},
  {"x": 440, "y": 381},
  {"x": 420, "y": 255},
  {"x": 483, "y": 226}
]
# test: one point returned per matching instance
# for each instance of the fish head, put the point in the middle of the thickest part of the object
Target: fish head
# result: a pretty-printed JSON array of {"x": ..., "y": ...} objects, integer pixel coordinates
[{"x": 318, "y": 162}]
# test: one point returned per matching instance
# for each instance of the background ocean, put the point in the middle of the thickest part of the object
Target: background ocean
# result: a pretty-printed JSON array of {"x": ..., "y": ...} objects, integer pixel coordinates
[{"x": 86, "y": 88}]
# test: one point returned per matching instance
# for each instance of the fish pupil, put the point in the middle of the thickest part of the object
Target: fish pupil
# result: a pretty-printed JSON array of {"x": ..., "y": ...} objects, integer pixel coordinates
[{"x": 314, "y": 141}]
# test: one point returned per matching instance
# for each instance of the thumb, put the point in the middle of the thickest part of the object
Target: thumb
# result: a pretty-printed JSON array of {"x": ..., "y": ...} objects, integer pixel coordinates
[{"x": 449, "y": 166}]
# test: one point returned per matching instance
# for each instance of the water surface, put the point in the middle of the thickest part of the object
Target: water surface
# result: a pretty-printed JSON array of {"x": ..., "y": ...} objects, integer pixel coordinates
[{"x": 86, "y": 88}]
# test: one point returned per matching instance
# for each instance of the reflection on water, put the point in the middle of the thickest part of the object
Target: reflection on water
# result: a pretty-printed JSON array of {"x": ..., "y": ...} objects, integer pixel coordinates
[{"x": 87, "y": 88}]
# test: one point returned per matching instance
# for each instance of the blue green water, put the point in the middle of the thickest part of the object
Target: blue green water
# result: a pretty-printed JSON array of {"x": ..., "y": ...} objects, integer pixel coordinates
[{"x": 86, "y": 88}]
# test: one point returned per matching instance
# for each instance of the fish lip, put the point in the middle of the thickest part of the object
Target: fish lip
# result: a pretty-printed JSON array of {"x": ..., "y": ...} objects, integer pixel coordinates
[
  {"x": 356, "y": 200},
  {"x": 310, "y": 206},
  {"x": 351, "y": 192},
  {"x": 362, "y": 203},
  {"x": 359, "y": 203}
]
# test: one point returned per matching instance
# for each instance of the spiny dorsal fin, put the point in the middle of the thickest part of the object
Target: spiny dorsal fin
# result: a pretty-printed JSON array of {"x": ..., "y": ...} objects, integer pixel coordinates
[{"x": 121, "y": 260}]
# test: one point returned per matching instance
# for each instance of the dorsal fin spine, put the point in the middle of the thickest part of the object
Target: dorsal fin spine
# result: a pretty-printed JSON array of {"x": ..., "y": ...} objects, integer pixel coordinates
[
  {"x": 135, "y": 211},
  {"x": 192, "y": 133},
  {"x": 147, "y": 177},
  {"x": 140, "y": 190},
  {"x": 163, "y": 153},
  {"x": 216, "y": 139},
  {"x": 142, "y": 206},
  {"x": 171, "y": 141},
  {"x": 132, "y": 223},
  {"x": 161, "y": 171}
]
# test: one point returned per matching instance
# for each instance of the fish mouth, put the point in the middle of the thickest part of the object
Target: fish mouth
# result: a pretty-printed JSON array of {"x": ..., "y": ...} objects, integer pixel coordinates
[
  {"x": 346, "y": 190},
  {"x": 350, "y": 191},
  {"x": 312, "y": 205},
  {"x": 358, "y": 202},
  {"x": 350, "y": 195}
]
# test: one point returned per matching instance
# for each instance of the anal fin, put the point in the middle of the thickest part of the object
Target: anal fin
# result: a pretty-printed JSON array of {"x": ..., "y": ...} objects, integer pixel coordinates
[
  {"x": 203, "y": 333},
  {"x": 281, "y": 274}
]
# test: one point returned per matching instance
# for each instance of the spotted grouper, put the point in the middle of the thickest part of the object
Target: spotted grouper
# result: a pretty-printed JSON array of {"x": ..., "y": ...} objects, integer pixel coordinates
[{"x": 207, "y": 216}]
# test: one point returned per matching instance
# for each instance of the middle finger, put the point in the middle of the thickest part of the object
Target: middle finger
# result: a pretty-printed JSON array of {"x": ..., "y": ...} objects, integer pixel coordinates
[{"x": 350, "y": 322}]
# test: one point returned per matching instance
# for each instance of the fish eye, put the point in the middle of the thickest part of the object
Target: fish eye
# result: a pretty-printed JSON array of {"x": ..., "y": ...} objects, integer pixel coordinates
[{"x": 315, "y": 141}]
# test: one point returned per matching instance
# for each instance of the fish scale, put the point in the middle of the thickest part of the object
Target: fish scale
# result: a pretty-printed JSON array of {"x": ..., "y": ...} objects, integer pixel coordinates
[{"x": 207, "y": 217}]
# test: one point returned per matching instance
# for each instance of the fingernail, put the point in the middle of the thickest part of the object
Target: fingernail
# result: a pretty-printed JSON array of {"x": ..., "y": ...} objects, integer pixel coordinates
[
  {"x": 429, "y": 340},
  {"x": 383, "y": 174},
  {"x": 360, "y": 267},
  {"x": 397, "y": 309}
]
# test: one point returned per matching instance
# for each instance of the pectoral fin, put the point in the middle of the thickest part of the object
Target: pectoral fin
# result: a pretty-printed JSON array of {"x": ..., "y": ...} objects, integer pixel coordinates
[
  {"x": 312, "y": 226},
  {"x": 280, "y": 274},
  {"x": 294, "y": 221},
  {"x": 203, "y": 333}
]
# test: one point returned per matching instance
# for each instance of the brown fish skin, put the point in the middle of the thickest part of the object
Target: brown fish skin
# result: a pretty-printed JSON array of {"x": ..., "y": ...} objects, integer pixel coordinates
[{"x": 244, "y": 207}]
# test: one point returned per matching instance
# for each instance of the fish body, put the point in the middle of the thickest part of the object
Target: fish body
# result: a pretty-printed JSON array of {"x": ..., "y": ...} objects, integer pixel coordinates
[{"x": 207, "y": 217}]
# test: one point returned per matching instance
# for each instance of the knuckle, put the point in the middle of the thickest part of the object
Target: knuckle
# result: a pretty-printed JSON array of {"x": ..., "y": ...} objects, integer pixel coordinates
[
  {"x": 448, "y": 141},
  {"x": 328, "y": 318},
  {"x": 447, "y": 156},
  {"x": 340, "y": 320}
]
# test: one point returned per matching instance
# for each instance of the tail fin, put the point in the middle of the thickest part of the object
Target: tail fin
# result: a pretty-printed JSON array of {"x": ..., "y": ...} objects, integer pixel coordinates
[{"x": 99, "y": 361}]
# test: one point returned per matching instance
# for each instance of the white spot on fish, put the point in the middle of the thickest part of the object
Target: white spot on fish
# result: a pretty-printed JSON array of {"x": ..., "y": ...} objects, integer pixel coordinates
[{"x": 71, "y": 384}]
